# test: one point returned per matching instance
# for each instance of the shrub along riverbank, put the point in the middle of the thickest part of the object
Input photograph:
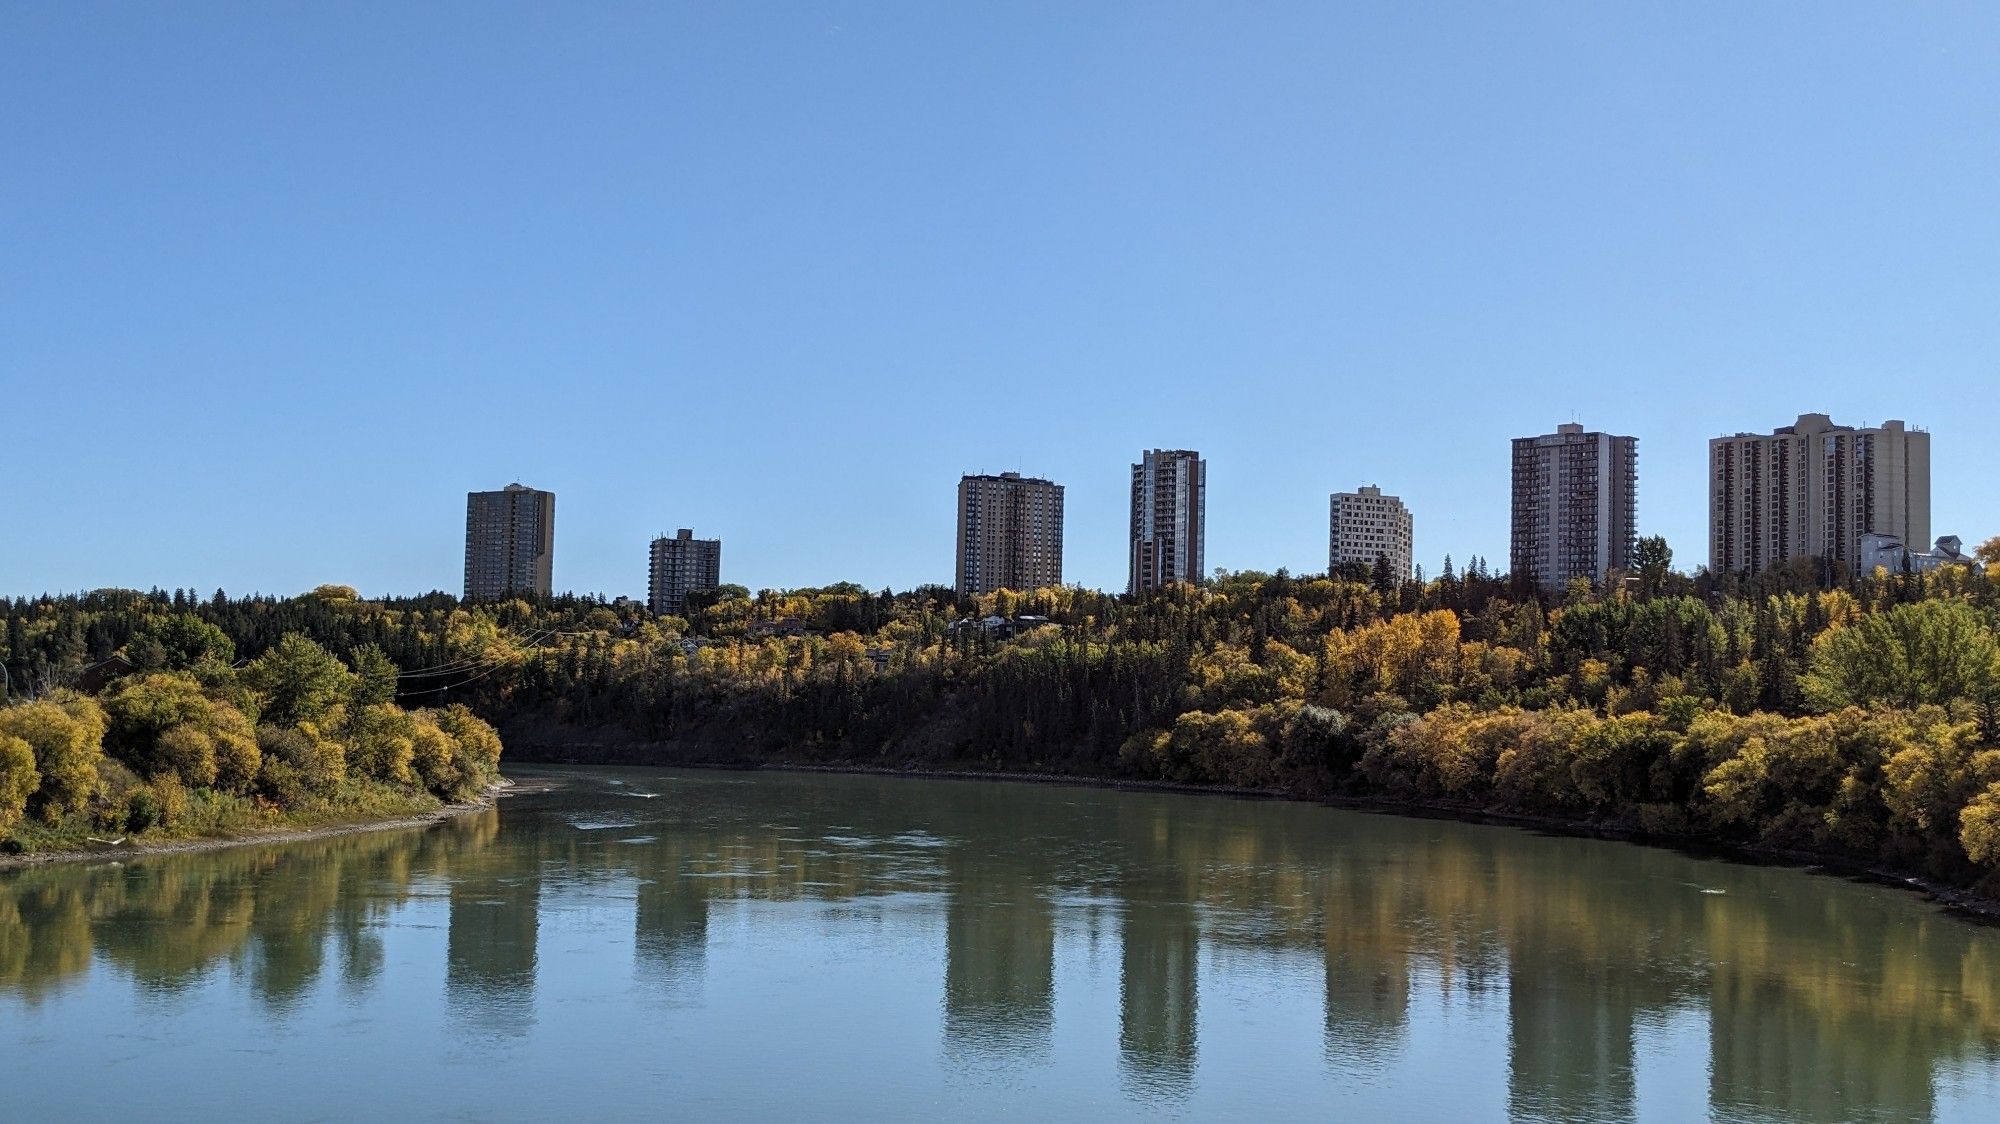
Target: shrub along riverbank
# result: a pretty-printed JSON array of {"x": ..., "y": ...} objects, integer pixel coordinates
[
  {"x": 193, "y": 748},
  {"x": 1860, "y": 721}
]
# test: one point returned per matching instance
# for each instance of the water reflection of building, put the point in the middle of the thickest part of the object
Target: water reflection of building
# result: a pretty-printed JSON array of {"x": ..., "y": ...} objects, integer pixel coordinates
[
  {"x": 286, "y": 958},
  {"x": 1000, "y": 954},
  {"x": 1570, "y": 1048},
  {"x": 1159, "y": 995},
  {"x": 491, "y": 945},
  {"x": 1365, "y": 917},
  {"x": 1585, "y": 928},
  {"x": 1367, "y": 995},
  {"x": 670, "y": 929},
  {"x": 361, "y": 952}
]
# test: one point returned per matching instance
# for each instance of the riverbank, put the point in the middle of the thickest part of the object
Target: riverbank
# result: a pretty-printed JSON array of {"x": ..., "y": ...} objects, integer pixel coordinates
[
  {"x": 1956, "y": 898},
  {"x": 128, "y": 849}
]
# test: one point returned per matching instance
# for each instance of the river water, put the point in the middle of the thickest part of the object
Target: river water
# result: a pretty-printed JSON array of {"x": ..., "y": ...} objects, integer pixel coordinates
[{"x": 712, "y": 945}]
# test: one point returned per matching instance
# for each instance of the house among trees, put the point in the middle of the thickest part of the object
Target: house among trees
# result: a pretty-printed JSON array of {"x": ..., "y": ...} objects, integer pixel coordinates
[{"x": 1890, "y": 553}]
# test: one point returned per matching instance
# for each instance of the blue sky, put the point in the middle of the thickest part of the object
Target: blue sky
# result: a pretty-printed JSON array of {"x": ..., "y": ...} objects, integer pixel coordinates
[{"x": 280, "y": 283}]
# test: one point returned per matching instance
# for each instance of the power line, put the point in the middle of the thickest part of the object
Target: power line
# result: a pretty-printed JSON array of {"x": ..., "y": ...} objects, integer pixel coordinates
[{"x": 483, "y": 666}]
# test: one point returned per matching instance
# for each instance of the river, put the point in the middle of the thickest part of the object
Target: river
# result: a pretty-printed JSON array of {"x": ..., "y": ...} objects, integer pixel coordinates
[{"x": 618, "y": 943}]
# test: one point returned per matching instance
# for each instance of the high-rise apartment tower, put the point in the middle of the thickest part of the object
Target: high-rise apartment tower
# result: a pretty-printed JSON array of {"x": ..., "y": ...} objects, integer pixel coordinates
[
  {"x": 1366, "y": 525},
  {"x": 1812, "y": 489},
  {"x": 510, "y": 542},
  {"x": 1010, "y": 533},
  {"x": 1574, "y": 500},
  {"x": 679, "y": 566},
  {"x": 1169, "y": 513}
]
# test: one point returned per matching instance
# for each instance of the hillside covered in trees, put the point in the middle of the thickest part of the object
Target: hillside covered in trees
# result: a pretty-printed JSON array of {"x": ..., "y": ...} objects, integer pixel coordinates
[{"x": 1861, "y": 721}]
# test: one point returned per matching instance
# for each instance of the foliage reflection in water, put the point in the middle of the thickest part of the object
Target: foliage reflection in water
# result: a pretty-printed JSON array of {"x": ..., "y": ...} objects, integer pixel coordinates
[{"x": 759, "y": 944}]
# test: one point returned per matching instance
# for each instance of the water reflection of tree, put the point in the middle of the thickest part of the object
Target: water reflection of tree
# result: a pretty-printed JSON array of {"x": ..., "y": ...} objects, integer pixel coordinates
[
  {"x": 44, "y": 936},
  {"x": 1833, "y": 1013},
  {"x": 1159, "y": 867},
  {"x": 167, "y": 921}
]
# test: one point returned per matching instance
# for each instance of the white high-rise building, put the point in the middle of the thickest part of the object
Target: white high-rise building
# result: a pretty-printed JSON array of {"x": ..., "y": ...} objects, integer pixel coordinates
[
  {"x": 1366, "y": 525},
  {"x": 1169, "y": 513}
]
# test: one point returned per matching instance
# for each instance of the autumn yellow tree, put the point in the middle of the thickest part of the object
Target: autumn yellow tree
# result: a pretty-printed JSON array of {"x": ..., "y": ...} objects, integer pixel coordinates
[
  {"x": 381, "y": 743},
  {"x": 1223, "y": 748},
  {"x": 1979, "y": 825},
  {"x": 66, "y": 737},
  {"x": 18, "y": 779},
  {"x": 166, "y": 724}
]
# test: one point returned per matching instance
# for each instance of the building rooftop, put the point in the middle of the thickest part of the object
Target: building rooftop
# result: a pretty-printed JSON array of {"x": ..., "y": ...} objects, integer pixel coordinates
[
  {"x": 1010, "y": 477},
  {"x": 1823, "y": 423}
]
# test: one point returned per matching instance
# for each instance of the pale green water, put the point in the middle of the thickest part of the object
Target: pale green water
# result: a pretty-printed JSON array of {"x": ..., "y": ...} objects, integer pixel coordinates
[{"x": 655, "y": 944}]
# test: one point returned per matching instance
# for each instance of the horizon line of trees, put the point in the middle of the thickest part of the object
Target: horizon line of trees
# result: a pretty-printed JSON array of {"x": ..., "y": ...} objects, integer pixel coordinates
[{"x": 1652, "y": 565}]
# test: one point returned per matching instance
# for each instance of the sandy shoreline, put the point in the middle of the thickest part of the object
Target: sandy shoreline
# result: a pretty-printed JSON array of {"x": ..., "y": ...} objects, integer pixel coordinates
[{"x": 280, "y": 835}]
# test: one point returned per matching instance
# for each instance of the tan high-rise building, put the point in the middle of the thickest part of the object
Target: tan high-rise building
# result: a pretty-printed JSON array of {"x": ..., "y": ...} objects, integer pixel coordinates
[
  {"x": 1575, "y": 496},
  {"x": 1812, "y": 489},
  {"x": 1366, "y": 525},
  {"x": 1169, "y": 517},
  {"x": 510, "y": 542},
  {"x": 679, "y": 566},
  {"x": 1010, "y": 533}
]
